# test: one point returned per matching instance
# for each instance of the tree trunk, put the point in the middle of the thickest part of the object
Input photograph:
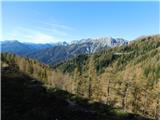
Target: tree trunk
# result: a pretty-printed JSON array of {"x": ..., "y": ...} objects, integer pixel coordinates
[
  {"x": 89, "y": 88},
  {"x": 124, "y": 97},
  {"x": 157, "y": 110},
  {"x": 108, "y": 91}
]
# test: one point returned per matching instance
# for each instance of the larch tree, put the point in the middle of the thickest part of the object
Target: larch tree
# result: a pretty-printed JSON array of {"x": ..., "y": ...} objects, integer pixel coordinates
[
  {"x": 93, "y": 83},
  {"x": 109, "y": 77}
]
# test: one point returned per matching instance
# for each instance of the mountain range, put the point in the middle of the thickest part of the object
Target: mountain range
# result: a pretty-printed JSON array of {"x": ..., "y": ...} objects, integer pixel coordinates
[
  {"x": 55, "y": 53},
  {"x": 19, "y": 48},
  {"x": 126, "y": 78}
]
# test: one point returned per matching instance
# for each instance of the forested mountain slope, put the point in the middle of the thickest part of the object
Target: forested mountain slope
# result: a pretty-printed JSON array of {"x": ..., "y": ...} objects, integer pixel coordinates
[
  {"x": 26, "y": 98},
  {"x": 127, "y": 77}
]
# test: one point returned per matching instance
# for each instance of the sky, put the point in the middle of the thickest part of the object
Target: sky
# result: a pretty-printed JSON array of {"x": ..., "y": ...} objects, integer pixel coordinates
[{"x": 46, "y": 22}]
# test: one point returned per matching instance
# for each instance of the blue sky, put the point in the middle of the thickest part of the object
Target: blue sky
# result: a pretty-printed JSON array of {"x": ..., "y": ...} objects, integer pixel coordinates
[{"x": 43, "y": 22}]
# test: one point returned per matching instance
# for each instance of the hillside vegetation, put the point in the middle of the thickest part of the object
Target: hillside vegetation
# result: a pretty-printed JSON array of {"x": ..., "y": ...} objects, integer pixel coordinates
[
  {"x": 126, "y": 77},
  {"x": 25, "y": 98}
]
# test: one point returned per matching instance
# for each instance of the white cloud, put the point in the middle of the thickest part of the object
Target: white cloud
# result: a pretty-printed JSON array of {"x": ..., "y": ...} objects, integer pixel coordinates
[
  {"x": 53, "y": 31},
  {"x": 30, "y": 35},
  {"x": 39, "y": 33},
  {"x": 57, "y": 26},
  {"x": 41, "y": 38}
]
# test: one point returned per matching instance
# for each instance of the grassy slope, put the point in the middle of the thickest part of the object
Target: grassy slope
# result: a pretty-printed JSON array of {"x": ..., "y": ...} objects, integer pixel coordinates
[{"x": 25, "y": 98}]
